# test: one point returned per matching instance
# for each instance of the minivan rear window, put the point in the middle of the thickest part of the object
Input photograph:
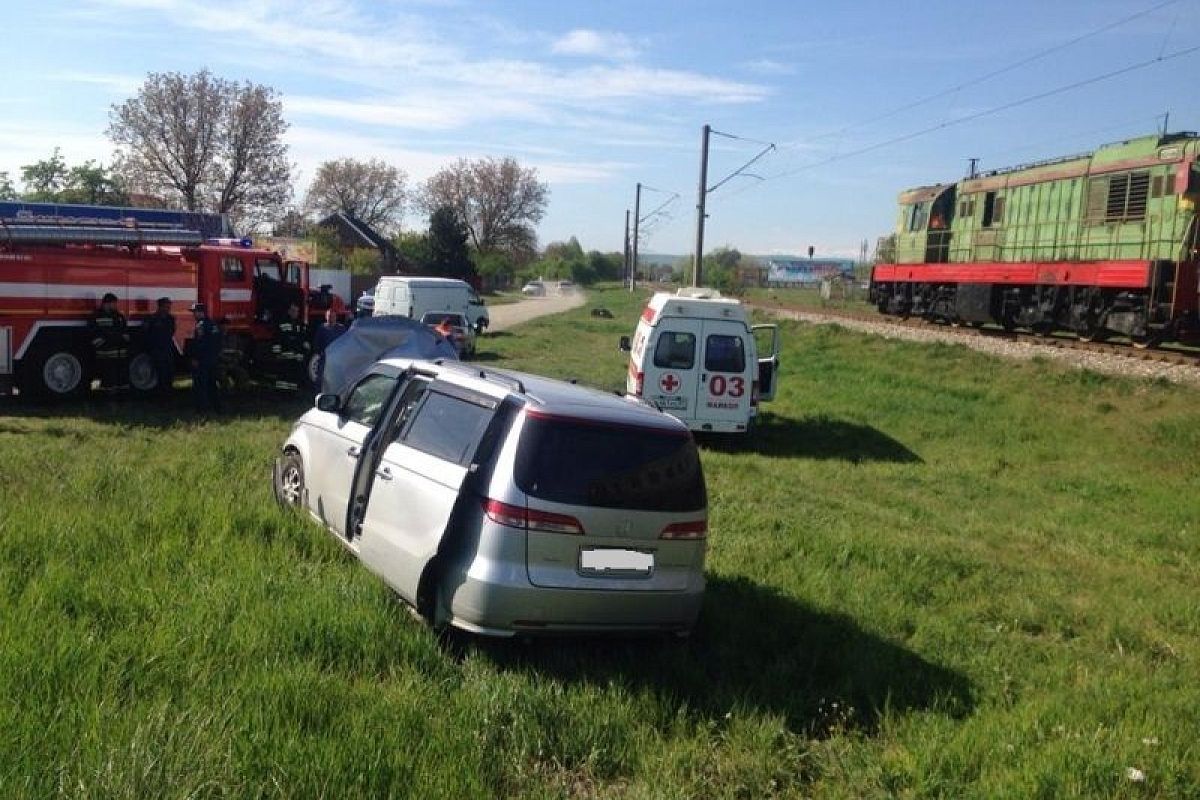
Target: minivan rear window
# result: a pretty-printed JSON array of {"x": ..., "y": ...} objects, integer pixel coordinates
[
  {"x": 724, "y": 354},
  {"x": 610, "y": 466}
]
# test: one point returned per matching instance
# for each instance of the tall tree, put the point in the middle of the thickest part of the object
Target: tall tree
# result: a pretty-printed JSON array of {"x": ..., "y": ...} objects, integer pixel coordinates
[
  {"x": 52, "y": 181},
  {"x": 497, "y": 200},
  {"x": 7, "y": 190},
  {"x": 373, "y": 191},
  {"x": 215, "y": 145},
  {"x": 44, "y": 179},
  {"x": 448, "y": 254}
]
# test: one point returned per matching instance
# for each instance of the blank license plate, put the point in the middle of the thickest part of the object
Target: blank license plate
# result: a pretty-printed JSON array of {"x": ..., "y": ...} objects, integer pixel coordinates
[{"x": 610, "y": 559}]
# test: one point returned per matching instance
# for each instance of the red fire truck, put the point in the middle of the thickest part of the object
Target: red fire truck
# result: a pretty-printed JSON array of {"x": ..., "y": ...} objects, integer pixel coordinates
[{"x": 53, "y": 276}]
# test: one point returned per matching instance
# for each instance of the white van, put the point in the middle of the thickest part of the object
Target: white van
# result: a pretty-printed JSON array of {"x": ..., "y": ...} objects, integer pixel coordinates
[
  {"x": 695, "y": 356},
  {"x": 413, "y": 297}
]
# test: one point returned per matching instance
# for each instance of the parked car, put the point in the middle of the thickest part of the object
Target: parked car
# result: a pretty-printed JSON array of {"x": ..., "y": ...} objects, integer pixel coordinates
[
  {"x": 534, "y": 289},
  {"x": 454, "y": 327},
  {"x": 503, "y": 503}
]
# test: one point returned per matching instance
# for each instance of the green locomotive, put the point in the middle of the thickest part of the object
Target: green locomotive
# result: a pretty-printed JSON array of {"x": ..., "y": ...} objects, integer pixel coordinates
[{"x": 1100, "y": 243}]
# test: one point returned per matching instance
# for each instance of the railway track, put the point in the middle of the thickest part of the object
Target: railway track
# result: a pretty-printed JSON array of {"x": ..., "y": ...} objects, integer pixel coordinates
[{"x": 1176, "y": 355}]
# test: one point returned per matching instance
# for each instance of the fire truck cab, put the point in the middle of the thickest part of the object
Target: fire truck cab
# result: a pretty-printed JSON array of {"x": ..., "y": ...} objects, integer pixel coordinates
[{"x": 53, "y": 276}]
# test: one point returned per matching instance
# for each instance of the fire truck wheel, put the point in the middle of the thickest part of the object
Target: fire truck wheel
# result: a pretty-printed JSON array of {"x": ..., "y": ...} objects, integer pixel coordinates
[
  {"x": 289, "y": 480},
  {"x": 142, "y": 376},
  {"x": 56, "y": 372}
]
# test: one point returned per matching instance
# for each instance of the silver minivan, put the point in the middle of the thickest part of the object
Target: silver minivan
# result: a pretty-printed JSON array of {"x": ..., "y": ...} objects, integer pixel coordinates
[{"x": 503, "y": 503}]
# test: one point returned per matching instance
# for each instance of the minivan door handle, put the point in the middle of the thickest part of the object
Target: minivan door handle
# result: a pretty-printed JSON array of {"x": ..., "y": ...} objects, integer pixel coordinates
[
  {"x": 353, "y": 452},
  {"x": 384, "y": 474}
]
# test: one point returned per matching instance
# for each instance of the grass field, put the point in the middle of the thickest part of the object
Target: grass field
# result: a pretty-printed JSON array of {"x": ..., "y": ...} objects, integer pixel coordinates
[
  {"x": 854, "y": 299},
  {"x": 931, "y": 573}
]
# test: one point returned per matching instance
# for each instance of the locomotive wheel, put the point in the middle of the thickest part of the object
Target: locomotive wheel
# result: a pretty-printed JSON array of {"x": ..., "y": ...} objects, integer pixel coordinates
[{"x": 1147, "y": 342}]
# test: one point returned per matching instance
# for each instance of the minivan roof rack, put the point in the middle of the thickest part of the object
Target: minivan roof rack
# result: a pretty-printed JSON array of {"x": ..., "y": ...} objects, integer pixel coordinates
[{"x": 483, "y": 374}]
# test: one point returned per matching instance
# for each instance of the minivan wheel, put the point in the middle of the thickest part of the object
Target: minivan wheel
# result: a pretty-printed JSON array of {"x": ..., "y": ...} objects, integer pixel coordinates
[{"x": 289, "y": 481}]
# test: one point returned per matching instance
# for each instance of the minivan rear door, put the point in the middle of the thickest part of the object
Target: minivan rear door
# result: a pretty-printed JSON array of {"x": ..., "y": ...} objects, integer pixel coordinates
[
  {"x": 766, "y": 342},
  {"x": 611, "y": 506},
  {"x": 725, "y": 386},
  {"x": 417, "y": 482}
]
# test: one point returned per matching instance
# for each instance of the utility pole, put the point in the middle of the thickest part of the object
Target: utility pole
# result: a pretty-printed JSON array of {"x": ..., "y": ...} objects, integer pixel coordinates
[
  {"x": 699, "y": 255},
  {"x": 637, "y": 220},
  {"x": 626, "y": 275},
  {"x": 973, "y": 170},
  {"x": 1166, "y": 121}
]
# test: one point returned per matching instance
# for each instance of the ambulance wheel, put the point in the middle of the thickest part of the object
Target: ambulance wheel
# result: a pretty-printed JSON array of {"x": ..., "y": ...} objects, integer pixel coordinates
[
  {"x": 142, "y": 375},
  {"x": 289, "y": 480},
  {"x": 55, "y": 372}
]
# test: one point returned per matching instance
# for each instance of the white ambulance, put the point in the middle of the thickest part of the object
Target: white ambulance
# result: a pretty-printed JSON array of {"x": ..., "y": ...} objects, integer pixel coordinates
[{"x": 696, "y": 357}]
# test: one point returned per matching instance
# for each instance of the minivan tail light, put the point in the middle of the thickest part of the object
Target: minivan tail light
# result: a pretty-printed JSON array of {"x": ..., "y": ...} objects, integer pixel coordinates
[
  {"x": 639, "y": 381},
  {"x": 696, "y": 529},
  {"x": 531, "y": 519},
  {"x": 753, "y": 394}
]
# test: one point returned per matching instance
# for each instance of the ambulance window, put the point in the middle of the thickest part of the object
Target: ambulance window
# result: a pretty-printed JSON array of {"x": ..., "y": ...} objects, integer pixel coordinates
[
  {"x": 232, "y": 270},
  {"x": 724, "y": 354},
  {"x": 675, "y": 350}
]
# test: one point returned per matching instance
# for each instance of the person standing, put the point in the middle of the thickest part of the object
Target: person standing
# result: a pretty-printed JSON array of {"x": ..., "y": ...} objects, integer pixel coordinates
[
  {"x": 326, "y": 335},
  {"x": 206, "y": 346},
  {"x": 110, "y": 343},
  {"x": 290, "y": 349},
  {"x": 158, "y": 332}
]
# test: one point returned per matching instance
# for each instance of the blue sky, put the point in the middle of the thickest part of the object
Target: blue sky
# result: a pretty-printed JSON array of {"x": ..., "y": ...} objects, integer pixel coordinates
[{"x": 600, "y": 95}]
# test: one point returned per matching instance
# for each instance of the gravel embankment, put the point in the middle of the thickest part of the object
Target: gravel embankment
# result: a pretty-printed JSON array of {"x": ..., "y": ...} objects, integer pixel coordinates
[{"x": 1081, "y": 359}]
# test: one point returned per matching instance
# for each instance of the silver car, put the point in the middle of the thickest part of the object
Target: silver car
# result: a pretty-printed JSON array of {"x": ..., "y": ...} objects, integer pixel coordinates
[{"x": 505, "y": 503}]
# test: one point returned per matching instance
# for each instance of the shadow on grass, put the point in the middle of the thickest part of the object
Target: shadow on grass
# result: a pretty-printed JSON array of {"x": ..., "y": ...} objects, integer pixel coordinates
[
  {"x": 755, "y": 649},
  {"x": 152, "y": 412},
  {"x": 818, "y": 437}
]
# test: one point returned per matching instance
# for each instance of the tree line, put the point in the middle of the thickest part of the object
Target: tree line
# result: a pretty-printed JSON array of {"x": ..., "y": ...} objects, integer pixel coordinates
[{"x": 200, "y": 142}]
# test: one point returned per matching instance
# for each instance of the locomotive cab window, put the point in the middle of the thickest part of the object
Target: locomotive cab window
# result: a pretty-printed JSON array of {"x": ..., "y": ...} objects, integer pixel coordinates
[
  {"x": 993, "y": 210},
  {"x": 920, "y": 213}
]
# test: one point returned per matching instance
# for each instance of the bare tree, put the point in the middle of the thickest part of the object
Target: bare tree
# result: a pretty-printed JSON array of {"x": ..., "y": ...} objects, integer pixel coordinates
[
  {"x": 213, "y": 144},
  {"x": 373, "y": 191},
  {"x": 498, "y": 201}
]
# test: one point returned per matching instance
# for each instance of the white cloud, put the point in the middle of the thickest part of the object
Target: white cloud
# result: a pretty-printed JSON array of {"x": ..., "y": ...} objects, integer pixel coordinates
[
  {"x": 111, "y": 82},
  {"x": 767, "y": 66},
  {"x": 600, "y": 44}
]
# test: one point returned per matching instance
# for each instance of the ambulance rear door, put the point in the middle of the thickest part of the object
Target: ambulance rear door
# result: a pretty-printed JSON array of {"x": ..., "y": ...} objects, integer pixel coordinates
[
  {"x": 671, "y": 365},
  {"x": 726, "y": 366}
]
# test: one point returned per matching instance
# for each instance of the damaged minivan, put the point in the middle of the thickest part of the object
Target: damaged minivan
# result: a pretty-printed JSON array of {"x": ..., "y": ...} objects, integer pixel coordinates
[{"x": 503, "y": 503}]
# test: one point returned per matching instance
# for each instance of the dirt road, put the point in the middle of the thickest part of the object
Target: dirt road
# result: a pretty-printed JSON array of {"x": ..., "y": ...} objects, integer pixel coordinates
[{"x": 506, "y": 316}]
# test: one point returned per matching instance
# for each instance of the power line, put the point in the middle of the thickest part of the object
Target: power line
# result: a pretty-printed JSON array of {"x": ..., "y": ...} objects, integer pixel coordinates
[
  {"x": 990, "y": 111},
  {"x": 997, "y": 72}
]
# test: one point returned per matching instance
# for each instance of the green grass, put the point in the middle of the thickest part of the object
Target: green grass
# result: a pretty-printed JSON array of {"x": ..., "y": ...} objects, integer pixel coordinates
[
  {"x": 931, "y": 573},
  {"x": 806, "y": 299}
]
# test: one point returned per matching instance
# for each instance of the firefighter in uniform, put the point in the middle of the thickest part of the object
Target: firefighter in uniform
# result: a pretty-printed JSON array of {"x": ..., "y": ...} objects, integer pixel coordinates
[
  {"x": 158, "y": 333},
  {"x": 205, "y": 353},
  {"x": 110, "y": 343},
  {"x": 231, "y": 372},
  {"x": 326, "y": 335},
  {"x": 290, "y": 349}
]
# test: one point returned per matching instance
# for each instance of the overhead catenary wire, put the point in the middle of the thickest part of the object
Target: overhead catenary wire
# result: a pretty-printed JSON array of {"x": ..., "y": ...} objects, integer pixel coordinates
[
  {"x": 968, "y": 118},
  {"x": 994, "y": 73}
]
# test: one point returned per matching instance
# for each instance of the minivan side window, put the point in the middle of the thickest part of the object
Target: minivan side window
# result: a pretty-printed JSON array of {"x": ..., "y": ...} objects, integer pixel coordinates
[
  {"x": 367, "y": 399},
  {"x": 724, "y": 354},
  {"x": 447, "y": 427},
  {"x": 675, "y": 350}
]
